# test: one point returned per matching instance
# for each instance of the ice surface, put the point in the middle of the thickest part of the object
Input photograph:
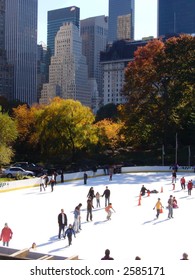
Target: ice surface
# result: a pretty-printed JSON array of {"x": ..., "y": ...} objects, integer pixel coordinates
[{"x": 133, "y": 230}]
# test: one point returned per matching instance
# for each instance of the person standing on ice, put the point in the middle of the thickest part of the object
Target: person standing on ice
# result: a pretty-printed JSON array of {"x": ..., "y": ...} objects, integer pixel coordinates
[
  {"x": 89, "y": 209},
  {"x": 158, "y": 207},
  {"x": 108, "y": 211},
  {"x": 85, "y": 178},
  {"x": 174, "y": 176},
  {"x": 76, "y": 219},
  {"x": 6, "y": 235},
  {"x": 62, "y": 223},
  {"x": 107, "y": 196},
  {"x": 190, "y": 186},
  {"x": 69, "y": 232},
  {"x": 170, "y": 207},
  {"x": 183, "y": 183}
]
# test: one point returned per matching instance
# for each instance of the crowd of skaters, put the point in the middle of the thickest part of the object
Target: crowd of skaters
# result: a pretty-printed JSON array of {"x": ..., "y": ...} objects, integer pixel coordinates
[{"x": 69, "y": 230}]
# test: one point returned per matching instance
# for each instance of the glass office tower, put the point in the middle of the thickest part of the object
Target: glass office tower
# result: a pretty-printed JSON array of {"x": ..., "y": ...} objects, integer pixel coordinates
[
  {"x": 55, "y": 20},
  {"x": 120, "y": 8},
  {"x": 21, "y": 47},
  {"x": 176, "y": 16}
]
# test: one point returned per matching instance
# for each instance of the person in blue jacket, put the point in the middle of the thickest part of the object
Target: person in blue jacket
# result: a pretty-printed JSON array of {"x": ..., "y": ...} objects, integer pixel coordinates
[{"x": 69, "y": 232}]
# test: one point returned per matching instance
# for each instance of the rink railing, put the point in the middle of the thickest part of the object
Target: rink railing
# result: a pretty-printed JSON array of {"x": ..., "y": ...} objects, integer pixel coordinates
[{"x": 35, "y": 182}]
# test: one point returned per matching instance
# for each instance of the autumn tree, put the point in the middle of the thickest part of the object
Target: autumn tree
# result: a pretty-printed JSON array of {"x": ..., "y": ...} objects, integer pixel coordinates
[
  {"x": 159, "y": 86},
  {"x": 7, "y": 137},
  {"x": 64, "y": 128},
  {"x": 109, "y": 135}
]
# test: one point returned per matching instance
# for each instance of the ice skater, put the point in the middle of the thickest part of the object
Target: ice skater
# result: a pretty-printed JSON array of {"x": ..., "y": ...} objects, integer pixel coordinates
[
  {"x": 106, "y": 193},
  {"x": 170, "y": 207},
  {"x": 158, "y": 207},
  {"x": 108, "y": 211},
  {"x": 62, "y": 223},
  {"x": 69, "y": 232},
  {"x": 6, "y": 235}
]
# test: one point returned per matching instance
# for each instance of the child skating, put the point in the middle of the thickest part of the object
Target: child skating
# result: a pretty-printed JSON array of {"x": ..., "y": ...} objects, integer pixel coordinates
[
  {"x": 69, "y": 232},
  {"x": 158, "y": 207},
  {"x": 108, "y": 211}
]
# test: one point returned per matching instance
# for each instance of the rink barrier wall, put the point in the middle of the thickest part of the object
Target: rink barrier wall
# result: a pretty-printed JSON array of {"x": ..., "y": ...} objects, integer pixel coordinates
[{"x": 35, "y": 182}]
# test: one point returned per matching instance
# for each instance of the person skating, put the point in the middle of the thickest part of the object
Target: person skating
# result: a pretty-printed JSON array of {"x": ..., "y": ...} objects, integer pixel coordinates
[
  {"x": 190, "y": 186},
  {"x": 170, "y": 207},
  {"x": 89, "y": 209},
  {"x": 183, "y": 183},
  {"x": 42, "y": 183},
  {"x": 106, "y": 193},
  {"x": 91, "y": 193},
  {"x": 85, "y": 178},
  {"x": 108, "y": 211},
  {"x": 6, "y": 235},
  {"x": 158, "y": 207},
  {"x": 62, "y": 222},
  {"x": 69, "y": 232},
  {"x": 97, "y": 199},
  {"x": 143, "y": 190}
]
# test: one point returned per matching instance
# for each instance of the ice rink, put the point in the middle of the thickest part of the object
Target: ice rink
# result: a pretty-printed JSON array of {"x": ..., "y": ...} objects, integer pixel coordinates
[{"x": 132, "y": 231}]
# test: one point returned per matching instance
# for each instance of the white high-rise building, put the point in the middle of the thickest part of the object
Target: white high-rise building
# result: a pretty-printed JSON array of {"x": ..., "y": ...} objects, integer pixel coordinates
[{"x": 68, "y": 71}]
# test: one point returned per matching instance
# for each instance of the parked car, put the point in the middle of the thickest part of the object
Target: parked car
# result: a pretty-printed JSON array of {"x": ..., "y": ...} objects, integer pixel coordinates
[
  {"x": 37, "y": 169},
  {"x": 13, "y": 171}
]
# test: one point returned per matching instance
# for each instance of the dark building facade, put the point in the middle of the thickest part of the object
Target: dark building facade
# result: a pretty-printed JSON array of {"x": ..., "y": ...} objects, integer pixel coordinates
[
  {"x": 120, "y": 8},
  {"x": 6, "y": 70},
  {"x": 176, "y": 16}
]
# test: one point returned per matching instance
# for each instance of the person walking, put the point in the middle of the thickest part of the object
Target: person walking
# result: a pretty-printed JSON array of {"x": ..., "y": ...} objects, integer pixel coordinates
[
  {"x": 170, "y": 207},
  {"x": 85, "y": 177},
  {"x": 69, "y": 232},
  {"x": 97, "y": 196},
  {"x": 158, "y": 207},
  {"x": 107, "y": 196},
  {"x": 107, "y": 255},
  {"x": 62, "y": 222},
  {"x": 183, "y": 183},
  {"x": 190, "y": 186},
  {"x": 6, "y": 235},
  {"x": 89, "y": 209},
  {"x": 108, "y": 211}
]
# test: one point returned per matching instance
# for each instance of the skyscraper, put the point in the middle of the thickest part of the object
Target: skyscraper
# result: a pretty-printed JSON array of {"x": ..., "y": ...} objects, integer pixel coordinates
[
  {"x": 176, "y": 16},
  {"x": 94, "y": 34},
  {"x": 6, "y": 70},
  {"x": 120, "y": 8},
  {"x": 21, "y": 47},
  {"x": 68, "y": 73},
  {"x": 56, "y": 18}
]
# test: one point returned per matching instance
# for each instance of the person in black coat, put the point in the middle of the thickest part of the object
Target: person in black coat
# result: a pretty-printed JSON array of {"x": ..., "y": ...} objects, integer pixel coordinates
[
  {"x": 85, "y": 178},
  {"x": 143, "y": 190},
  {"x": 91, "y": 193},
  {"x": 62, "y": 222},
  {"x": 107, "y": 196}
]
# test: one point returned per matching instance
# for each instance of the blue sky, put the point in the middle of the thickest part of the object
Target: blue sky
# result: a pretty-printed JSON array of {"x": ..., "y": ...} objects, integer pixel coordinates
[{"x": 145, "y": 14}]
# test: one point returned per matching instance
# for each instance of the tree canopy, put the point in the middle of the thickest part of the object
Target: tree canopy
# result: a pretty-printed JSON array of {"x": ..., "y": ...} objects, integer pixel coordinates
[{"x": 159, "y": 86}]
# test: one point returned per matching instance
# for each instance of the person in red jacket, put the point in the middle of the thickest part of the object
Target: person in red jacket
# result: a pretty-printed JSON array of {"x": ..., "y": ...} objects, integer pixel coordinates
[
  {"x": 190, "y": 186},
  {"x": 6, "y": 235},
  {"x": 183, "y": 183}
]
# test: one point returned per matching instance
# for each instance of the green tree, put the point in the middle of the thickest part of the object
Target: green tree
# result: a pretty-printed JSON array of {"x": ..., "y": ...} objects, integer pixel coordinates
[
  {"x": 159, "y": 86},
  {"x": 64, "y": 128},
  {"x": 108, "y": 111},
  {"x": 7, "y": 137}
]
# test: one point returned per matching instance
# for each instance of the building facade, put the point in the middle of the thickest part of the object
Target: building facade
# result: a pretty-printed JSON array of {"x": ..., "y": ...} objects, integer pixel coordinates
[
  {"x": 120, "y": 8},
  {"x": 68, "y": 71},
  {"x": 94, "y": 34},
  {"x": 114, "y": 61},
  {"x": 6, "y": 70},
  {"x": 176, "y": 16},
  {"x": 21, "y": 47},
  {"x": 55, "y": 20}
]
